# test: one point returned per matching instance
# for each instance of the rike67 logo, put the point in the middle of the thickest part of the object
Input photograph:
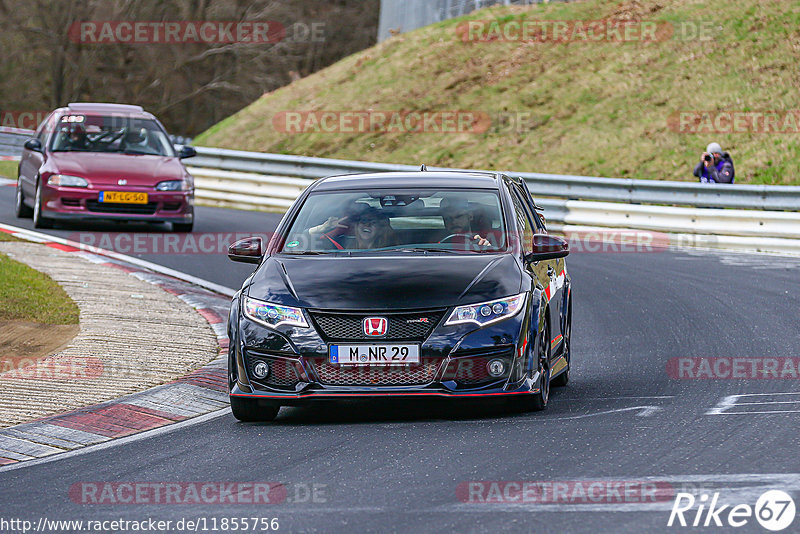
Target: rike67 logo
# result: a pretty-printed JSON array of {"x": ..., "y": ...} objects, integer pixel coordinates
[{"x": 774, "y": 510}]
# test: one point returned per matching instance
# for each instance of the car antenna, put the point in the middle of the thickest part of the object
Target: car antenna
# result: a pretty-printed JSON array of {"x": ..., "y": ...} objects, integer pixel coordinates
[{"x": 423, "y": 168}]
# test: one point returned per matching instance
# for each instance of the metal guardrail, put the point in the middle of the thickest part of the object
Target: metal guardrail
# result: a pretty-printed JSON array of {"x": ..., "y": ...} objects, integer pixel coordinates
[
  {"x": 12, "y": 139},
  {"x": 739, "y": 217},
  {"x": 758, "y": 197},
  {"x": 761, "y": 197},
  {"x": 743, "y": 217}
]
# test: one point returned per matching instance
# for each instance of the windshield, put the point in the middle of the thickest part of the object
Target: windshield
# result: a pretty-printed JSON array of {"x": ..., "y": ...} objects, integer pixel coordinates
[
  {"x": 125, "y": 135},
  {"x": 465, "y": 221}
]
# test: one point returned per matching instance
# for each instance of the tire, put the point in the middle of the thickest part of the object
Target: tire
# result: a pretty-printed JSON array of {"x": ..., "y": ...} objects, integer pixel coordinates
[
  {"x": 183, "y": 228},
  {"x": 253, "y": 410},
  {"x": 563, "y": 379},
  {"x": 40, "y": 221},
  {"x": 536, "y": 402},
  {"x": 22, "y": 211}
]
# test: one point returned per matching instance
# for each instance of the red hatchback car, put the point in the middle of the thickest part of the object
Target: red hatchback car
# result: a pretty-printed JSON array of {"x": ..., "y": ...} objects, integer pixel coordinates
[{"x": 104, "y": 161}]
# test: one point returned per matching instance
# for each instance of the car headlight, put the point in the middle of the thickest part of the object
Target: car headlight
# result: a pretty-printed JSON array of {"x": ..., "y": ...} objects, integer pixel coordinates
[
  {"x": 172, "y": 185},
  {"x": 64, "y": 180},
  {"x": 273, "y": 315},
  {"x": 487, "y": 312}
]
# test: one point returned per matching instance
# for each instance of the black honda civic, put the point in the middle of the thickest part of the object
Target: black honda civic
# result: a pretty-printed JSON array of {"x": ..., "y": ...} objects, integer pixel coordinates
[{"x": 418, "y": 284}]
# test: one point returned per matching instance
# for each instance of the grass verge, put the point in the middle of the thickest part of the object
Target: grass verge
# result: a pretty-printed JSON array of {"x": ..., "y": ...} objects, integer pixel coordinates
[
  {"x": 8, "y": 169},
  {"x": 28, "y": 295}
]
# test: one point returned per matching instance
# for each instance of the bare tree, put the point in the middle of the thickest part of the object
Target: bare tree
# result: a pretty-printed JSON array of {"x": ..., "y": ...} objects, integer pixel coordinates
[{"x": 189, "y": 85}]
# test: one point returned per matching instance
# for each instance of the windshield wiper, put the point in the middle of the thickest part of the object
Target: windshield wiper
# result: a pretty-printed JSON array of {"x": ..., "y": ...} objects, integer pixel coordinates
[{"x": 424, "y": 249}]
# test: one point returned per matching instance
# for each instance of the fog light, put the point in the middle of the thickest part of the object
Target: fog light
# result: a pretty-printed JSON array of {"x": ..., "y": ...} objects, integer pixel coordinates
[
  {"x": 260, "y": 370},
  {"x": 497, "y": 368}
]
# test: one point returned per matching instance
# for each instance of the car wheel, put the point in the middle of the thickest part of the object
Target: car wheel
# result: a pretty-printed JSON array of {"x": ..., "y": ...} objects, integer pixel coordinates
[
  {"x": 22, "y": 211},
  {"x": 39, "y": 221},
  {"x": 563, "y": 379},
  {"x": 253, "y": 410},
  {"x": 183, "y": 228},
  {"x": 538, "y": 401}
]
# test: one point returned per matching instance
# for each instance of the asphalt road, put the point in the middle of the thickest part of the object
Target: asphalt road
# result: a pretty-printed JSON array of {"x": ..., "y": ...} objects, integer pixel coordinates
[{"x": 398, "y": 467}]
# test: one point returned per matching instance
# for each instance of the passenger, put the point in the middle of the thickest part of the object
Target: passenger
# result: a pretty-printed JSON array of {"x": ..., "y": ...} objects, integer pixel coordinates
[
  {"x": 458, "y": 218},
  {"x": 366, "y": 228},
  {"x": 372, "y": 230},
  {"x": 136, "y": 140}
]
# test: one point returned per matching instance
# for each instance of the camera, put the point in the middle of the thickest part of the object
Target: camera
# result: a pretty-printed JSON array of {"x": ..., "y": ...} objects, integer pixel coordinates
[{"x": 707, "y": 157}]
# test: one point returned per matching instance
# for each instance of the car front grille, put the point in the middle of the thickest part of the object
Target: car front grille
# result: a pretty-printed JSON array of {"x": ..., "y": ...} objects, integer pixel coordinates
[
  {"x": 375, "y": 375},
  {"x": 130, "y": 209},
  {"x": 406, "y": 326}
]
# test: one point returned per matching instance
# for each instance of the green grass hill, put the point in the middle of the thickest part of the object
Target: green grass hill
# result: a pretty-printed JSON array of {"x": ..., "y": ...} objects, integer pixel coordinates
[{"x": 598, "y": 108}]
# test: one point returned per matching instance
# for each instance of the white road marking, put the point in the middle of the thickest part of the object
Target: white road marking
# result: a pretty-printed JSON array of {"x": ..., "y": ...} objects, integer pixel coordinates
[
  {"x": 732, "y": 401},
  {"x": 644, "y": 411},
  {"x": 576, "y": 399},
  {"x": 759, "y": 261}
]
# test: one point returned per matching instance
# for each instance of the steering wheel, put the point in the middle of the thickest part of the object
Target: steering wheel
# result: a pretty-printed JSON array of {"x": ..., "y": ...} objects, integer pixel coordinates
[{"x": 469, "y": 239}]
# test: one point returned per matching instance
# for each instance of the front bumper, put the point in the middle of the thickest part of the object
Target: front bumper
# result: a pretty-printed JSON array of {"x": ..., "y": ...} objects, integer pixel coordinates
[
  {"x": 453, "y": 364},
  {"x": 70, "y": 203},
  {"x": 312, "y": 395}
]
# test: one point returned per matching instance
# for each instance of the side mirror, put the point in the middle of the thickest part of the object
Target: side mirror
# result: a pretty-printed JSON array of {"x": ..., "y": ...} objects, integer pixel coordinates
[
  {"x": 33, "y": 144},
  {"x": 250, "y": 250},
  {"x": 187, "y": 152},
  {"x": 547, "y": 247}
]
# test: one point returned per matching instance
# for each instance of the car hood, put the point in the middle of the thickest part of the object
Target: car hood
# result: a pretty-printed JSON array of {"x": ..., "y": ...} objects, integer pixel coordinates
[
  {"x": 107, "y": 168},
  {"x": 381, "y": 282}
]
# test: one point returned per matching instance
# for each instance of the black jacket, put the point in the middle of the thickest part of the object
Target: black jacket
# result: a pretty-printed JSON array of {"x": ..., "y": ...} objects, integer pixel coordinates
[{"x": 721, "y": 173}]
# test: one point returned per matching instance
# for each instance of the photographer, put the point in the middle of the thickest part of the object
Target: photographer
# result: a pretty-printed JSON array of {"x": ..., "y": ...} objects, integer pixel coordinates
[{"x": 715, "y": 167}]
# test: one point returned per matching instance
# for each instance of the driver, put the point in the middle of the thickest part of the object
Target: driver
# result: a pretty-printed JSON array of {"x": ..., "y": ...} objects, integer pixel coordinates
[
  {"x": 458, "y": 218},
  {"x": 76, "y": 134}
]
